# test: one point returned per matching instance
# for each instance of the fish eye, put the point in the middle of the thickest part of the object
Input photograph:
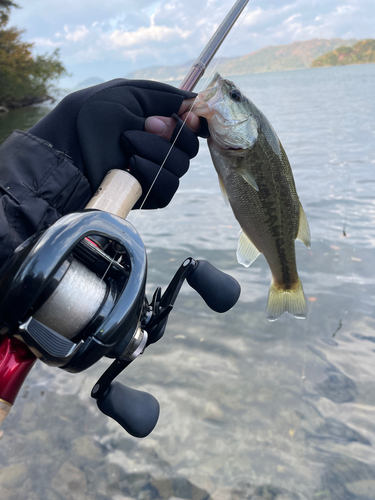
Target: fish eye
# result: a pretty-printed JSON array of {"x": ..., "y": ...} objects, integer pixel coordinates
[{"x": 235, "y": 95}]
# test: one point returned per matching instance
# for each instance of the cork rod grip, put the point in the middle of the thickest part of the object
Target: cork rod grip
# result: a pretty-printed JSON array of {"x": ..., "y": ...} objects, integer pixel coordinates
[{"x": 117, "y": 194}]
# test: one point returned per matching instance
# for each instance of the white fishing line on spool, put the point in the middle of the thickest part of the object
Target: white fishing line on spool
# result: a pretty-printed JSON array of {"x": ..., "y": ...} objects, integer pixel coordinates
[{"x": 74, "y": 302}]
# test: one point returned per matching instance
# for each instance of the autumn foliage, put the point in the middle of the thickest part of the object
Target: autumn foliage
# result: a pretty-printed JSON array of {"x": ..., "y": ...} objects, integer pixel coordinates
[
  {"x": 363, "y": 52},
  {"x": 25, "y": 79}
]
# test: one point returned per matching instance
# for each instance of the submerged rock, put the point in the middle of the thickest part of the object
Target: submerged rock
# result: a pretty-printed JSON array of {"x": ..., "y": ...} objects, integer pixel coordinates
[
  {"x": 85, "y": 447},
  {"x": 338, "y": 432},
  {"x": 12, "y": 476},
  {"x": 337, "y": 387},
  {"x": 70, "y": 482},
  {"x": 364, "y": 488},
  {"x": 247, "y": 491},
  {"x": 346, "y": 479}
]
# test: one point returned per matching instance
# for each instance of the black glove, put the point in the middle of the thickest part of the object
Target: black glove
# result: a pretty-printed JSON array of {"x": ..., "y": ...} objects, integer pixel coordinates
[{"x": 102, "y": 128}]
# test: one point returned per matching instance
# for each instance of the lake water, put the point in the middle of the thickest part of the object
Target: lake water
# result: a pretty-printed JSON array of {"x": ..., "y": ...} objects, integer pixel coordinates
[{"x": 249, "y": 409}]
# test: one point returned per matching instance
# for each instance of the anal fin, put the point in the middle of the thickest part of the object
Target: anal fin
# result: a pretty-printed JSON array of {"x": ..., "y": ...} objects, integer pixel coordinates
[
  {"x": 303, "y": 228},
  {"x": 247, "y": 252}
]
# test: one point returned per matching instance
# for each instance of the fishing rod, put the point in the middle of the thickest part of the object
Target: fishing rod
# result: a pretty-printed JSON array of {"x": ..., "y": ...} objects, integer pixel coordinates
[
  {"x": 198, "y": 68},
  {"x": 119, "y": 190},
  {"x": 68, "y": 302}
]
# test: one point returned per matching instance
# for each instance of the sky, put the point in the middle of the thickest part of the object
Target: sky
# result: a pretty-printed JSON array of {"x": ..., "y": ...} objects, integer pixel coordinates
[{"x": 111, "y": 38}]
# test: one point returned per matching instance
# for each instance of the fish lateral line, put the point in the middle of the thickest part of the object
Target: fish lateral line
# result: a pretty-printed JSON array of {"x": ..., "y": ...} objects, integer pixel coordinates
[{"x": 256, "y": 179}]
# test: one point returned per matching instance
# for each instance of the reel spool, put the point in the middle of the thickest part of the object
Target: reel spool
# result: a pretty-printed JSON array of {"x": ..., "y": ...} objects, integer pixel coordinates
[{"x": 70, "y": 301}]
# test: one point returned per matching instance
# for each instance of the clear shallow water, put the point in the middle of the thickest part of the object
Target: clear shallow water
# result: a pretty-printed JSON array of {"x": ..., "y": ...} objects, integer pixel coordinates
[{"x": 249, "y": 409}]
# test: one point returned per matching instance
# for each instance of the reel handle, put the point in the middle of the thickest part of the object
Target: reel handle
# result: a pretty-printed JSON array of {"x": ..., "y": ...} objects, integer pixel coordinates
[
  {"x": 136, "y": 411},
  {"x": 219, "y": 290}
]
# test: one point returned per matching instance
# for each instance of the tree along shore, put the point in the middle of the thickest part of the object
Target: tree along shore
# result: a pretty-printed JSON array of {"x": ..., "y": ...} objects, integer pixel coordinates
[
  {"x": 363, "y": 52},
  {"x": 25, "y": 79}
]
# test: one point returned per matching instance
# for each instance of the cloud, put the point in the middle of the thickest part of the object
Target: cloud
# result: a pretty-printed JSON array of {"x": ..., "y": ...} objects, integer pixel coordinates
[
  {"x": 78, "y": 34},
  {"x": 259, "y": 16},
  {"x": 152, "y": 33},
  {"x": 254, "y": 16},
  {"x": 45, "y": 43},
  {"x": 132, "y": 34},
  {"x": 300, "y": 26},
  {"x": 104, "y": 40},
  {"x": 345, "y": 9}
]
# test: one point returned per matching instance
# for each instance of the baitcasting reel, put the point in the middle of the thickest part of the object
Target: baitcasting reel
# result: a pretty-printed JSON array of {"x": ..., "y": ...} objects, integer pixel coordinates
[{"x": 76, "y": 292}]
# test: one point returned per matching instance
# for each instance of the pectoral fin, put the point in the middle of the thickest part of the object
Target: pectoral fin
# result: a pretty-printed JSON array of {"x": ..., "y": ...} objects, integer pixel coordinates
[
  {"x": 247, "y": 252},
  {"x": 248, "y": 177},
  {"x": 223, "y": 191},
  {"x": 303, "y": 229}
]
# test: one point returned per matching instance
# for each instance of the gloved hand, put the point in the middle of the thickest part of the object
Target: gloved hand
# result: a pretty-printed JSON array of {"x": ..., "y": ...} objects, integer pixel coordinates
[{"x": 102, "y": 128}]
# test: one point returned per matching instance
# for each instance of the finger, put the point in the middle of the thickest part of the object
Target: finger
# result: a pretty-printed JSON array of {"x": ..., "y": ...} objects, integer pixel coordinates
[
  {"x": 156, "y": 150},
  {"x": 186, "y": 105},
  {"x": 160, "y": 125},
  {"x": 163, "y": 183},
  {"x": 185, "y": 113},
  {"x": 191, "y": 120},
  {"x": 196, "y": 124},
  {"x": 184, "y": 138},
  {"x": 164, "y": 127}
]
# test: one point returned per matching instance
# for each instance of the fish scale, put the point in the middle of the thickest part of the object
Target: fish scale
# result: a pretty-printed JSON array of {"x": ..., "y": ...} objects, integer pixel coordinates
[{"x": 257, "y": 180}]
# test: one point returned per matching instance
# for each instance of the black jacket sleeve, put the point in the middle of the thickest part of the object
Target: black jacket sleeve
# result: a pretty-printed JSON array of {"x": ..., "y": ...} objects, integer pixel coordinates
[{"x": 37, "y": 186}]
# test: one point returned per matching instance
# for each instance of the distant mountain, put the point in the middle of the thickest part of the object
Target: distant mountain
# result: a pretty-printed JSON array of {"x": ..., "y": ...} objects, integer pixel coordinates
[
  {"x": 89, "y": 82},
  {"x": 167, "y": 73},
  {"x": 296, "y": 55},
  {"x": 362, "y": 52}
]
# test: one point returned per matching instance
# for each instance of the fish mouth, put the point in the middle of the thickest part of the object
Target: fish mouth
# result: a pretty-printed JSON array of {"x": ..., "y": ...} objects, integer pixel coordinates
[
  {"x": 208, "y": 93},
  {"x": 216, "y": 81},
  {"x": 207, "y": 98},
  {"x": 203, "y": 104}
]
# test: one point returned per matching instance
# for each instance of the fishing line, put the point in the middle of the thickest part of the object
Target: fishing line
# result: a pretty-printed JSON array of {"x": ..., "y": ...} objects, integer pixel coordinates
[
  {"x": 231, "y": 36},
  {"x": 187, "y": 116},
  {"x": 166, "y": 157},
  {"x": 344, "y": 233},
  {"x": 304, "y": 361},
  {"x": 109, "y": 265}
]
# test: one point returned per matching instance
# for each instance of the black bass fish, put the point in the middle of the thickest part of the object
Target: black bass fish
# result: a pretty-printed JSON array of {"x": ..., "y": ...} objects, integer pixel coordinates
[{"x": 256, "y": 178}]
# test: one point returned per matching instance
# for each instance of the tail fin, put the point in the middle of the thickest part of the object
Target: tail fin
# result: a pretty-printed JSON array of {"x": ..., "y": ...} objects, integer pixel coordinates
[{"x": 281, "y": 300}]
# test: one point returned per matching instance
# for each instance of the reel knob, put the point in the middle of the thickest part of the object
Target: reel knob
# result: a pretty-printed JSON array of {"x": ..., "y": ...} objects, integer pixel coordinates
[
  {"x": 219, "y": 290},
  {"x": 136, "y": 411}
]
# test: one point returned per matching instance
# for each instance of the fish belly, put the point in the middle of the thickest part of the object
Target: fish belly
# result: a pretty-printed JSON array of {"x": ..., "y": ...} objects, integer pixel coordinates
[
  {"x": 269, "y": 218},
  {"x": 272, "y": 237},
  {"x": 267, "y": 226}
]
